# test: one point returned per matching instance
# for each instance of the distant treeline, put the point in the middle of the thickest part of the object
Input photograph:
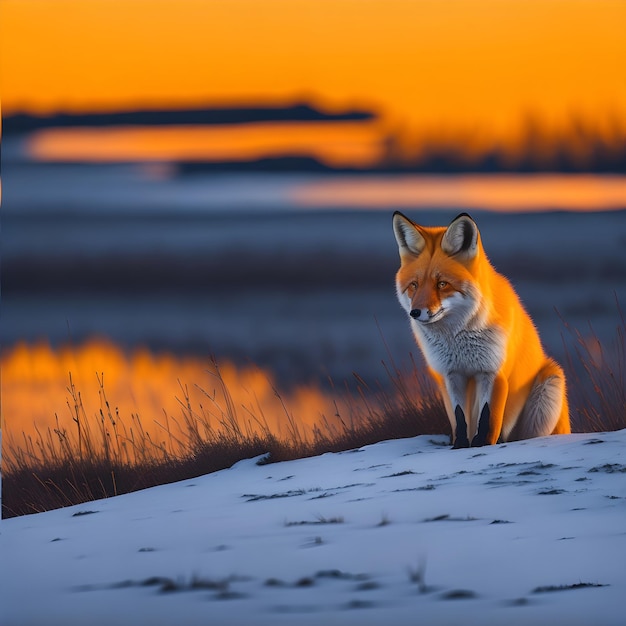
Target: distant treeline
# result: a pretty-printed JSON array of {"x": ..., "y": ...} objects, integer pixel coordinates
[
  {"x": 440, "y": 162},
  {"x": 577, "y": 147},
  {"x": 565, "y": 154},
  {"x": 25, "y": 123}
]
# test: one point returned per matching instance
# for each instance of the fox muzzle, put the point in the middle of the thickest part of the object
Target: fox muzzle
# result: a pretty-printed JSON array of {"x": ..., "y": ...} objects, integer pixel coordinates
[{"x": 426, "y": 316}]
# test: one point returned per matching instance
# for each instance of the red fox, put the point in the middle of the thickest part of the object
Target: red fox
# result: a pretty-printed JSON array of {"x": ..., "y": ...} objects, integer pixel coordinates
[{"x": 479, "y": 343}]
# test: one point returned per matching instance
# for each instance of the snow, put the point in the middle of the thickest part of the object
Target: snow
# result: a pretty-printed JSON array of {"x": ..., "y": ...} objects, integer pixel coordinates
[{"x": 406, "y": 531}]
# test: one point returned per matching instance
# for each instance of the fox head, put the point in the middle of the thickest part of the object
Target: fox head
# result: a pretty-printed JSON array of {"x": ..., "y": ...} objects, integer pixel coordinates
[{"x": 437, "y": 280}]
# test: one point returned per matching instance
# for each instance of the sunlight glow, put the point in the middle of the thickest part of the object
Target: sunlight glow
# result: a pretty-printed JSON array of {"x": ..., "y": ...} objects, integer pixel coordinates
[
  {"x": 145, "y": 391},
  {"x": 336, "y": 144},
  {"x": 499, "y": 192}
]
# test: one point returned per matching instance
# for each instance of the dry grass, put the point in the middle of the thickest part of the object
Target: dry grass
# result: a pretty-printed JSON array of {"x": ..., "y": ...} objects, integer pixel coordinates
[
  {"x": 107, "y": 454},
  {"x": 596, "y": 376}
]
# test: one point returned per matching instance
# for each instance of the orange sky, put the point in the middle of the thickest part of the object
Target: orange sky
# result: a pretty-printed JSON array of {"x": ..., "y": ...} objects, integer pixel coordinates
[{"x": 475, "y": 65}]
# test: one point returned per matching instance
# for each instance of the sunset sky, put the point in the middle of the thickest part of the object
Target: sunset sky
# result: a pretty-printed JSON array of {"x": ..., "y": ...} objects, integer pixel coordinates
[{"x": 475, "y": 66}]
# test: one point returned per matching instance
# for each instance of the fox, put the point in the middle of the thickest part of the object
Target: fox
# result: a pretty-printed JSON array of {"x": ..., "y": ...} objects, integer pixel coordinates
[{"x": 479, "y": 343}]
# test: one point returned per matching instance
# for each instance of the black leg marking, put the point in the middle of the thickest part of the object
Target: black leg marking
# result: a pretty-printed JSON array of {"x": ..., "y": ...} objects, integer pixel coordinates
[
  {"x": 461, "y": 440},
  {"x": 483, "y": 428}
]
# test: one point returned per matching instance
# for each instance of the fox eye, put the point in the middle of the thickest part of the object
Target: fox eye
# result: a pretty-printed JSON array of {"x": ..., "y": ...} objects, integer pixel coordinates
[
  {"x": 442, "y": 284},
  {"x": 412, "y": 288}
]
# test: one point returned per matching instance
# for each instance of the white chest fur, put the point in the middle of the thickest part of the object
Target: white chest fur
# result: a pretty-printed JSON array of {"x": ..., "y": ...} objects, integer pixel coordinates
[{"x": 466, "y": 351}]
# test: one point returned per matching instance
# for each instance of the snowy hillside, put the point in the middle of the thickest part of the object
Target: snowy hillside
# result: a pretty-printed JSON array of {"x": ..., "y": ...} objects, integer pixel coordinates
[{"x": 403, "y": 532}]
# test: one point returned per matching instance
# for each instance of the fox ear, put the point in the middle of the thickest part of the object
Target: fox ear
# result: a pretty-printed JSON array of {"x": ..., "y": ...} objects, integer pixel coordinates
[
  {"x": 410, "y": 240},
  {"x": 461, "y": 237}
]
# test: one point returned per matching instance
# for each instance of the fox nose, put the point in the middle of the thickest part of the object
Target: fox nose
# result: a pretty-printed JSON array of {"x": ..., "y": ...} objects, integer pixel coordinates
[{"x": 415, "y": 313}]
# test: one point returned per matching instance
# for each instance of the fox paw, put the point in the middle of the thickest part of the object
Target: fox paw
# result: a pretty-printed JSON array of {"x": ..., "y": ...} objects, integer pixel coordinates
[
  {"x": 461, "y": 443},
  {"x": 478, "y": 442}
]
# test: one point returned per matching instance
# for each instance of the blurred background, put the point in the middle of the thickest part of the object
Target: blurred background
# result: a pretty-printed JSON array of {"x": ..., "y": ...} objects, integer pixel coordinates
[{"x": 188, "y": 177}]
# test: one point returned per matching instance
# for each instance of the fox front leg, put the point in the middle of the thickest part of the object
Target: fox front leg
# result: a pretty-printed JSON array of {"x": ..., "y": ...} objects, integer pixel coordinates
[
  {"x": 491, "y": 391},
  {"x": 456, "y": 386}
]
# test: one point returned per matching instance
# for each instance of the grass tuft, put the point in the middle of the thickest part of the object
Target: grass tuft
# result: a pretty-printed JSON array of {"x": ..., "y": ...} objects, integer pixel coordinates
[
  {"x": 596, "y": 378},
  {"x": 553, "y": 588},
  {"x": 319, "y": 521}
]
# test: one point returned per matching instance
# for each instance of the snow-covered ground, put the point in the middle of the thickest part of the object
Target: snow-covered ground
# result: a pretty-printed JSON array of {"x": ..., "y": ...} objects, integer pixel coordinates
[{"x": 402, "y": 532}]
